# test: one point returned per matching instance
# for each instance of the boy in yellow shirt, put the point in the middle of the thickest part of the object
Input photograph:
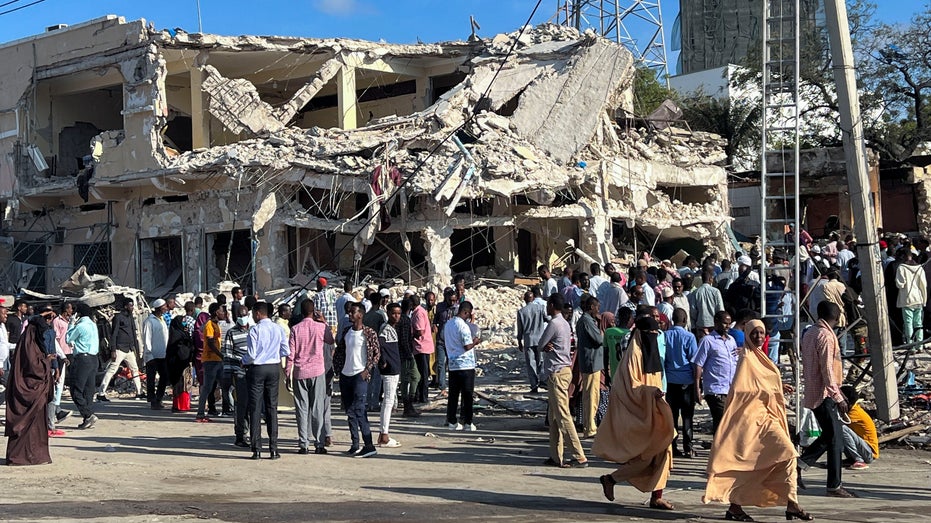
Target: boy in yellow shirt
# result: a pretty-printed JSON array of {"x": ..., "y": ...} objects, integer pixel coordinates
[{"x": 861, "y": 444}]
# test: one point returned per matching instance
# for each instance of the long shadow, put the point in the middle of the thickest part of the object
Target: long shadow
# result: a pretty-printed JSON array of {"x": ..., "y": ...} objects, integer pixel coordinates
[
  {"x": 538, "y": 503},
  {"x": 212, "y": 446}
]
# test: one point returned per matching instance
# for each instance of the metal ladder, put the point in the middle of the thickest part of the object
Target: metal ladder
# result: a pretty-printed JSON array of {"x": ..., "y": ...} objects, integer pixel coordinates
[{"x": 779, "y": 182}]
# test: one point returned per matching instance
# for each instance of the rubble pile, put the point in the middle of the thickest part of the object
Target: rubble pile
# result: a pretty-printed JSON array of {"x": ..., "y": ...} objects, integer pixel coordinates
[
  {"x": 674, "y": 145},
  {"x": 496, "y": 314}
]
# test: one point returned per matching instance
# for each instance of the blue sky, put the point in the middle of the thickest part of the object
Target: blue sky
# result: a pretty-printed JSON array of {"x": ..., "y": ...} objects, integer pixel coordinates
[{"x": 399, "y": 21}]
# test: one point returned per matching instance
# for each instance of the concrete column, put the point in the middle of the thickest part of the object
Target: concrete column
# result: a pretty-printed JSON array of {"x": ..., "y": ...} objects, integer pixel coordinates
[
  {"x": 421, "y": 98},
  {"x": 346, "y": 97},
  {"x": 271, "y": 258},
  {"x": 438, "y": 242},
  {"x": 195, "y": 263},
  {"x": 200, "y": 118},
  {"x": 505, "y": 240}
]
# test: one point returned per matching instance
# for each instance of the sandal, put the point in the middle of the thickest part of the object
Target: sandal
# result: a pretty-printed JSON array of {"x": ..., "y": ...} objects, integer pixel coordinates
[
  {"x": 576, "y": 464},
  {"x": 550, "y": 462},
  {"x": 661, "y": 504},
  {"x": 607, "y": 486}
]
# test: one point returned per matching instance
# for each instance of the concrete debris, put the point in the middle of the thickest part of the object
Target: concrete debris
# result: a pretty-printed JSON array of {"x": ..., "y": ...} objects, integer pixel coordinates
[
  {"x": 280, "y": 138},
  {"x": 237, "y": 105}
]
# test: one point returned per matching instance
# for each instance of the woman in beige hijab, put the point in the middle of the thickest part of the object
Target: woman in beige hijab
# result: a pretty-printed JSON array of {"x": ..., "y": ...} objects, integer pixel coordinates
[
  {"x": 753, "y": 459},
  {"x": 637, "y": 430}
]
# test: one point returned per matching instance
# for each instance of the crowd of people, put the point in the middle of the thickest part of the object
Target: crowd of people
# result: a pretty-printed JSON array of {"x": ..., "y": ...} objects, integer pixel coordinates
[
  {"x": 242, "y": 350},
  {"x": 624, "y": 358}
]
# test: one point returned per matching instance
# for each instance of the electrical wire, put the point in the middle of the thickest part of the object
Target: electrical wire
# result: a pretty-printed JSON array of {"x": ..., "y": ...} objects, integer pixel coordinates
[{"x": 8, "y": 11}]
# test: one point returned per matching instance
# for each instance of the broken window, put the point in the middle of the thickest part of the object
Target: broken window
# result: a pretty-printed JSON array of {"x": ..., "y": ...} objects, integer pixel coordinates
[
  {"x": 386, "y": 258},
  {"x": 94, "y": 256},
  {"x": 178, "y": 133},
  {"x": 688, "y": 195},
  {"x": 28, "y": 269},
  {"x": 310, "y": 250},
  {"x": 160, "y": 265},
  {"x": 472, "y": 248},
  {"x": 77, "y": 114},
  {"x": 526, "y": 252},
  {"x": 440, "y": 85},
  {"x": 230, "y": 258}
]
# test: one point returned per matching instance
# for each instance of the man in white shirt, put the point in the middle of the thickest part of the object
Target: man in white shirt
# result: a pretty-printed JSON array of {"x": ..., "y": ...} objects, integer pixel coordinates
[
  {"x": 547, "y": 281},
  {"x": 154, "y": 349},
  {"x": 649, "y": 296},
  {"x": 460, "y": 342},
  {"x": 596, "y": 280},
  {"x": 266, "y": 346}
]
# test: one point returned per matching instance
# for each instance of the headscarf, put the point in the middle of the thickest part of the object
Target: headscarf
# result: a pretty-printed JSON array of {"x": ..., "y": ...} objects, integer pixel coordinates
[
  {"x": 607, "y": 320},
  {"x": 751, "y": 326},
  {"x": 648, "y": 329}
]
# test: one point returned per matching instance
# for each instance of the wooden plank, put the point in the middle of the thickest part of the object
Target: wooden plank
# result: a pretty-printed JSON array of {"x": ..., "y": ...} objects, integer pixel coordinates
[{"x": 899, "y": 433}]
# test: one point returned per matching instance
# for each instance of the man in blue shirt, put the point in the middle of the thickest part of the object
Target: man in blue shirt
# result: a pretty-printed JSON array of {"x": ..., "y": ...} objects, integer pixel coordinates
[
  {"x": 85, "y": 342},
  {"x": 680, "y": 377},
  {"x": 266, "y": 346},
  {"x": 716, "y": 361},
  {"x": 460, "y": 343}
]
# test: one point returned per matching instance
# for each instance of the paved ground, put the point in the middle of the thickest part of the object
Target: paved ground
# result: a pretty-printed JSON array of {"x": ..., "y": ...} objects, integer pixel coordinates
[{"x": 140, "y": 465}]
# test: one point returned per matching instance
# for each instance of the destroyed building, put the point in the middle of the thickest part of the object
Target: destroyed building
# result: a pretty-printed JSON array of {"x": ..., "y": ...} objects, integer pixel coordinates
[{"x": 174, "y": 160}]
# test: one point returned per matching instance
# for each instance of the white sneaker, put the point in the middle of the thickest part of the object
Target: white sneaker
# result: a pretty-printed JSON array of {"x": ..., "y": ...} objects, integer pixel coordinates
[
  {"x": 470, "y": 427},
  {"x": 457, "y": 426}
]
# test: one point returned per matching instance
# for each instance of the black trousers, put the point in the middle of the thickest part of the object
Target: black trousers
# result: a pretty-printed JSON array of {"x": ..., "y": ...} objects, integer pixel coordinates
[
  {"x": 681, "y": 399},
  {"x": 423, "y": 366},
  {"x": 461, "y": 384},
  {"x": 155, "y": 393},
  {"x": 831, "y": 441},
  {"x": 263, "y": 392},
  {"x": 84, "y": 376},
  {"x": 716, "y": 406}
]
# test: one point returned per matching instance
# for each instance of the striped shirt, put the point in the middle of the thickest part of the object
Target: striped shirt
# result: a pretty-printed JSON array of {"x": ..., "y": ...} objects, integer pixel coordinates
[{"x": 234, "y": 348}]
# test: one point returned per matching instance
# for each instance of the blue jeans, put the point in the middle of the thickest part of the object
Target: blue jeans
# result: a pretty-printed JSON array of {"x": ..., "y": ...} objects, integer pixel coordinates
[
  {"x": 213, "y": 373},
  {"x": 441, "y": 364},
  {"x": 352, "y": 390},
  {"x": 774, "y": 338}
]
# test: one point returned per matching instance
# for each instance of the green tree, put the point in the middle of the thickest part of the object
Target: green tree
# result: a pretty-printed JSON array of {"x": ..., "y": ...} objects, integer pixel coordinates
[
  {"x": 895, "y": 70},
  {"x": 649, "y": 93},
  {"x": 736, "y": 120}
]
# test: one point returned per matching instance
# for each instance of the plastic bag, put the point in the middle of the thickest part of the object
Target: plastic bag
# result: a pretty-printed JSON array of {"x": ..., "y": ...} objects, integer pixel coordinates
[{"x": 809, "y": 430}]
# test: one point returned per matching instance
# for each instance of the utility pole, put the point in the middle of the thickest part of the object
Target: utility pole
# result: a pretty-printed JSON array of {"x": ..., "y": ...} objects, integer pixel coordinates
[{"x": 877, "y": 318}]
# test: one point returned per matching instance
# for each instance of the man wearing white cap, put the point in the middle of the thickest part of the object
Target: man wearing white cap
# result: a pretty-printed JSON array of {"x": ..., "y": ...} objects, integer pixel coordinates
[
  {"x": 154, "y": 349},
  {"x": 744, "y": 264}
]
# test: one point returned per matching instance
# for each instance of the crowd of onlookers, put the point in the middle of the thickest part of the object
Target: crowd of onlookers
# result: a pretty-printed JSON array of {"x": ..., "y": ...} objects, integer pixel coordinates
[{"x": 234, "y": 353}]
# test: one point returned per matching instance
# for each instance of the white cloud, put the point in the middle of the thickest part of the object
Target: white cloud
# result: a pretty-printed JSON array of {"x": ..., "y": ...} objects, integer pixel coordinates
[{"x": 340, "y": 7}]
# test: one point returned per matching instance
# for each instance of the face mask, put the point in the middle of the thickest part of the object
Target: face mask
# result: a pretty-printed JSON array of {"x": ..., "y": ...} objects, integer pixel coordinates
[{"x": 242, "y": 321}]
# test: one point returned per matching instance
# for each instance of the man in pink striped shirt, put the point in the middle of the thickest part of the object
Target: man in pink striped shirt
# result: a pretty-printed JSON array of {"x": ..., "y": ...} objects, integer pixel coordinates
[
  {"x": 422, "y": 332},
  {"x": 306, "y": 367},
  {"x": 823, "y": 373}
]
